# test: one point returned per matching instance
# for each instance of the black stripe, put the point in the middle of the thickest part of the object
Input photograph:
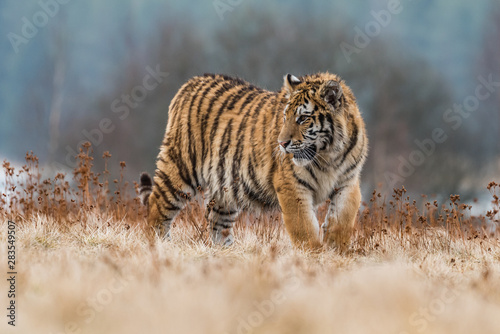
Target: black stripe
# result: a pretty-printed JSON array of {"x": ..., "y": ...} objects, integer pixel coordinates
[
  {"x": 174, "y": 151},
  {"x": 168, "y": 183},
  {"x": 171, "y": 206},
  {"x": 192, "y": 151},
  {"x": 225, "y": 221},
  {"x": 311, "y": 173},
  {"x": 162, "y": 210},
  {"x": 248, "y": 99},
  {"x": 258, "y": 111},
  {"x": 254, "y": 196},
  {"x": 338, "y": 128},
  {"x": 172, "y": 121},
  {"x": 223, "y": 224},
  {"x": 353, "y": 141},
  {"x": 213, "y": 131},
  {"x": 178, "y": 97},
  {"x": 360, "y": 156},
  {"x": 241, "y": 93},
  {"x": 179, "y": 102},
  {"x": 302, "y": 182},
  {"x": 355, "y": 164},
  {"x": 335, "y": 192},
  {"x": 223, "y": 212},
  {"x": 330, "y": 138},
  {"x": 330, "y": 131},
  {"x": 144, "y": 189},
  {"x": 166, "y": 220},
  {"x": 329, "y": 118},
  {"x": 274, "y": 164},
  {"x": 183, "y": 172},
  {"x": 204, "y": 116},
  {"x": 264, "y": 128},
  {"x": 239, "y": 144},
  {"x": 321, "y": 119},
  {"x": 251, "y": 172},
  {"x": 235, "y": 80},
  {"x": 179, "y": 137},
  {"x": 278, "y": 114},
  {"x": 224, "y": 148},
  {"x": 204, "y": 92},
  {"x": 215, "y": 123},
  {"x": 348, "y": 178}
]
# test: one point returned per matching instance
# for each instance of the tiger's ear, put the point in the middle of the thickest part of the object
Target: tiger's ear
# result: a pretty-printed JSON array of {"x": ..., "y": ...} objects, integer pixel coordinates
[
  {"x": 331, "y": 92},
  {"x": 290, "y": 83}
]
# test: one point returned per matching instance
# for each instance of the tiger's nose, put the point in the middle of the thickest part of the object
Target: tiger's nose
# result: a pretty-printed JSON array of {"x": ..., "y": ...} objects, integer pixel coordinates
[{"x": 284, "y": 144}]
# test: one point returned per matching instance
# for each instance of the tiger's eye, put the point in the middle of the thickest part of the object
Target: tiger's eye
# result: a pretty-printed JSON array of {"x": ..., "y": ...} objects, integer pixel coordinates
[{"x": 301, "y": 119}]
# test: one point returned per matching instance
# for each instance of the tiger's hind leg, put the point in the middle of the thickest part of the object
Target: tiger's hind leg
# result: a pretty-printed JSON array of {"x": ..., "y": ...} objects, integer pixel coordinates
[
  {"x": 221, "y": 220},
  {"x": 164, "y": 202},
  {"x": 161, "y": 214},
  {"x": 159, "y": 220}
]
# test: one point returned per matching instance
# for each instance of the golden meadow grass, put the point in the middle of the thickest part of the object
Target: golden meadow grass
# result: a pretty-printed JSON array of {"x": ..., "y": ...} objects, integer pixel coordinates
[{"x": 86, "y": 265}]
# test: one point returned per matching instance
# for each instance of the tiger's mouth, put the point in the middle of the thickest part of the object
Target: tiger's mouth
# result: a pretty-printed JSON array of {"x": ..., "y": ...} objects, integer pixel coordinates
[{"x": 305, "y": 156}]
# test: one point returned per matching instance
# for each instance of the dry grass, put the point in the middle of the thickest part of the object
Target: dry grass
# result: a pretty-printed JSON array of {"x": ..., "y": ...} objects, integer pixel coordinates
[{"x": 85, "y": 265}]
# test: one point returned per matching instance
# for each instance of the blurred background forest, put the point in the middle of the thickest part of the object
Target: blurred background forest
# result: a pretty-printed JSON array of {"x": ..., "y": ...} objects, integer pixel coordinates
[{"x": 73, "y": 70}]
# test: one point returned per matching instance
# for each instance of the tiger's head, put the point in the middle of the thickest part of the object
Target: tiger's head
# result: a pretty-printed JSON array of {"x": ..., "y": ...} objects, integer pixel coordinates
[{"x": 312, "y": 104}]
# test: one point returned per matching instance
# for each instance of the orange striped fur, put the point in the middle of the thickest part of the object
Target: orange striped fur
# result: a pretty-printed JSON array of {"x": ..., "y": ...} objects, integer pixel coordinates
[{"x": 248, "y": 148}]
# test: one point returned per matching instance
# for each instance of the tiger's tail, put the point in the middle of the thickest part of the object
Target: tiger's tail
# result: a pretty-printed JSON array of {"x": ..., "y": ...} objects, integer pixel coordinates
[{"x": 145, "y": 188}]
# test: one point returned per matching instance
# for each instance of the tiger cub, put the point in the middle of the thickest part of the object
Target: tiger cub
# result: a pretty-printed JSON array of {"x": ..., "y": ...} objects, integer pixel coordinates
[{"x": 249, "y": 148}]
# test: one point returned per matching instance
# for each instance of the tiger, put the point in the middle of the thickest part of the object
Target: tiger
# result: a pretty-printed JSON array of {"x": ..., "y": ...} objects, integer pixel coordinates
[{"x": 246, "y": 148}]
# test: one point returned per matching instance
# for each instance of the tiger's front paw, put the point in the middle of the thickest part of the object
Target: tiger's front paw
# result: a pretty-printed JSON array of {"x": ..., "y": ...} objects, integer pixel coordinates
[
  {"x": 338, "y": 237},
  {"x": 224, "y": 238},
  {"x": 163, "y": 231}
]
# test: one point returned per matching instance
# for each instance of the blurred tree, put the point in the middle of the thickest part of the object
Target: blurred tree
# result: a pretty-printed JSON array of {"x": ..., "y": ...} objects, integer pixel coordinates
[
  {"x": 139, "y": 115},
  {"x": 73, "y": 84}
]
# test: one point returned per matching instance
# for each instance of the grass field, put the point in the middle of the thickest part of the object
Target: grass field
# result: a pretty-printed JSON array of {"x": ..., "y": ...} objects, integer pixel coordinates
[{"x": 85, "y": 264}]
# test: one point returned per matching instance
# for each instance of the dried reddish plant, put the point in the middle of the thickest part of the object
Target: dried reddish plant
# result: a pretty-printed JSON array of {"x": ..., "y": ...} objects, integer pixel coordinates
[{"x": 381, "y": 221}]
